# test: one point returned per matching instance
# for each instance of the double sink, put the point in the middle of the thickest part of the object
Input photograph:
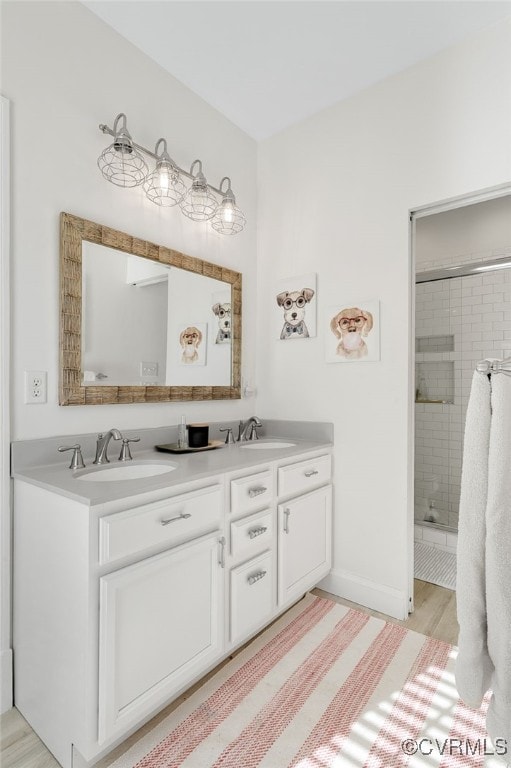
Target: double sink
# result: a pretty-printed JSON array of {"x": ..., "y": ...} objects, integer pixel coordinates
[{"x": 141, "y": 469}]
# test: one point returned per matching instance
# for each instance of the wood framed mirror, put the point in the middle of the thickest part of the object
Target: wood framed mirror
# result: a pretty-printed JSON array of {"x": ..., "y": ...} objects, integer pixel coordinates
[{"x": 143, "y": 323}]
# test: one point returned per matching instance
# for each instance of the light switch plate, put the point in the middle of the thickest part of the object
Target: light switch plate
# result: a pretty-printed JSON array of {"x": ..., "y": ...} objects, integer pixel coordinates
[{"x": 149, "y": 369}]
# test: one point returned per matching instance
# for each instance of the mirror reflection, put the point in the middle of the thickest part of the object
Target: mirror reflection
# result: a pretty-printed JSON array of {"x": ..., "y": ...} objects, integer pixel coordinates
[
  {"x": 143, "y": 323},
  {"x": 148, "y": 323}
]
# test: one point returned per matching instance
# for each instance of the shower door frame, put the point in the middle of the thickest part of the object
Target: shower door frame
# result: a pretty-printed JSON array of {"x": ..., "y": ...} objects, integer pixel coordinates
[{"x": 415, "y": 213}]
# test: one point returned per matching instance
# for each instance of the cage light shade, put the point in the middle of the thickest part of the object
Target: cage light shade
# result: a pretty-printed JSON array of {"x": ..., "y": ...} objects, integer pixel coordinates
[
  {"x": 228, "y": 218},
  {"x": 164, "y": 185},
  {"x": 199, "y": 204},
  {"x": 120, "y": 162}
]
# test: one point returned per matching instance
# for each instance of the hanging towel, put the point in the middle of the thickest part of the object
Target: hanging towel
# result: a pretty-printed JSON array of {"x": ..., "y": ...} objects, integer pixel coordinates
[
  {"x": 473, "y": 667},
  {"x": 484, "y": 554},
  {"x": 498, "y": 559}
]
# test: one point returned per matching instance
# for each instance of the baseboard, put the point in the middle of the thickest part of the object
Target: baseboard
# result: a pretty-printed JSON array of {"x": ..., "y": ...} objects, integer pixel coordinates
[
  {"x": 5, "y": 681},
  {"x": 379, "y": 598}
]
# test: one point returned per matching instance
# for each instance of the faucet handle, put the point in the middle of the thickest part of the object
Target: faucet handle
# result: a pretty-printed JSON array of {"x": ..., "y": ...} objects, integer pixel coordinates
[
  {"x": 77, "y": 458},
  {"x": 253, "y": 432},
  {"x": 229, "y": 439},
  {"x": 125, "y": 454}
]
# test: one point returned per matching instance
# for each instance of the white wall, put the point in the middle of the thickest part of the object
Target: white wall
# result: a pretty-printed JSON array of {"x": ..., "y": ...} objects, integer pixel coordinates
[
  {"x": 65, "y": 72},
  {"x": 335, "y": 192}
]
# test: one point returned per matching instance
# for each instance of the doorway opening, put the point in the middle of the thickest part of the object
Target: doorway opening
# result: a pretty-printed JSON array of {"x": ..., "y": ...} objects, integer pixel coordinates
[{"x": 462, "y": 257}]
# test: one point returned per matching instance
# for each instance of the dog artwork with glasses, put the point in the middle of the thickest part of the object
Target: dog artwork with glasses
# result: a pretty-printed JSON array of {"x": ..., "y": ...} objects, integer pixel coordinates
[
  {"x": 192, "y": 340},
  {"x": 353, "y": 332},
  {"x": 222, "y": 311},
  {"x": 296, "y": 307}
]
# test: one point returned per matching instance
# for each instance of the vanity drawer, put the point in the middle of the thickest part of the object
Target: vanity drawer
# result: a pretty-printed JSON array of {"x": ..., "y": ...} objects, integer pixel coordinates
[
  {"x": 251, "y": 534},
  {"x": 170, "y": 521},
  {"x": 251, "y": 493},
  {"x": 251, "y": 595},
  {"x": 303, "y": 475}
]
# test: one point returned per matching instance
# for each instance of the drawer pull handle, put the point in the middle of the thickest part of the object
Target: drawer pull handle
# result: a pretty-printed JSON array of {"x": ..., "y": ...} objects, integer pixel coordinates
[
  {"x": 182, "y": 516},
  {"x": 311, "y": 472},
  {"x": 252, "y": 492},
  {"x": 257, "y": 531},
  {"x": 221, "y": 559},
  {"x": 256, "y": 577},
  {"x": 287, "y": 512}
]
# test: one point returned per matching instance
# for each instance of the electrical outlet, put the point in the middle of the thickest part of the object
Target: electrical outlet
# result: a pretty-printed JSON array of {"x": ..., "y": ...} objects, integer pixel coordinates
[
  {"x": 35, "y": 386},
  {"x": 149, "y": 369}
]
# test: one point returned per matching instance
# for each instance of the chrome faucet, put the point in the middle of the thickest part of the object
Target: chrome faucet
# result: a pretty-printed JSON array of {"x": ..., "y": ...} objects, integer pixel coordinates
[
  {"x": 102, "y": 445},
  {"x": 250, "y": 424}
]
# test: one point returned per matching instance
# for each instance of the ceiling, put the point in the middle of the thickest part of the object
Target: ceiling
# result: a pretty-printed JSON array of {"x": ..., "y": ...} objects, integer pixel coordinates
[{"x": 268, "y": 64}]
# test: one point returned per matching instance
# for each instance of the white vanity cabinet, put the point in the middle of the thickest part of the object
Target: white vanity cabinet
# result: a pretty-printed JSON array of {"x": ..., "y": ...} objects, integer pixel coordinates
[
  {"x": 160, "y": 621},
  {"x": 304, "y": 554},
  {"x": 304, "y": 525},
  {"x": 273, "y": 561},
  {"x": 120, "y": 606}
]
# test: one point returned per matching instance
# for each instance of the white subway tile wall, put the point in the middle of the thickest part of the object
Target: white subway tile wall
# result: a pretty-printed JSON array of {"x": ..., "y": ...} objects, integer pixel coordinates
[{"x": 475, "y": 313}]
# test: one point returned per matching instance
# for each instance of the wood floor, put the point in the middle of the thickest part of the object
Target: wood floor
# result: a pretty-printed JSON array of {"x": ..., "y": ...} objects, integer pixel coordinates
[{"x": 434, "y": 616}]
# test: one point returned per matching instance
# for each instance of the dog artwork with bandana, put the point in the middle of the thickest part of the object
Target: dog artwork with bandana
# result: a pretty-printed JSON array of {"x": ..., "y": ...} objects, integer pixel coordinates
[
  {"x": 294, "y": 304},
  {"x": 352, "y": 325}
]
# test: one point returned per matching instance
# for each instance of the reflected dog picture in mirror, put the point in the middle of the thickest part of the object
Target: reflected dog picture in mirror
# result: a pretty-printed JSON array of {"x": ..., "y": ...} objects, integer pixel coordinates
[{"x": 124, "y": 305}]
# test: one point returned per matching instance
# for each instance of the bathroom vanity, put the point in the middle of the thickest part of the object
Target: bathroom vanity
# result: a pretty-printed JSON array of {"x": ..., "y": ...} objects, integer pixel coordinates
[{"x": 128, "y": 591}]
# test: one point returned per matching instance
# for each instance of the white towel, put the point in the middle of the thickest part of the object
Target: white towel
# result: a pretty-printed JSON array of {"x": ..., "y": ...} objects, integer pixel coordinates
[
  {"x": 473, "y": 667},
  {"x": 484, "y": 554},
  {"x": 498, "y": 559}
]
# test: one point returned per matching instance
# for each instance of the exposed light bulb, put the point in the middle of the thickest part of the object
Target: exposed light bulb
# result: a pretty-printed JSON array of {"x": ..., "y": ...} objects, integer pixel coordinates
[
  {"x": 227, "y": 213},
  {"x": 228, "y": 219},
  {"x": 164, "y": 180},
  {"x": 199, "y": 204},
  {"x": 164, "y": 185}
]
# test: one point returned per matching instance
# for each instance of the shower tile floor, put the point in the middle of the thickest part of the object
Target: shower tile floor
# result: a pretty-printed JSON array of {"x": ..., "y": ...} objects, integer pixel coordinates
[{"x": 435, "y": 565}]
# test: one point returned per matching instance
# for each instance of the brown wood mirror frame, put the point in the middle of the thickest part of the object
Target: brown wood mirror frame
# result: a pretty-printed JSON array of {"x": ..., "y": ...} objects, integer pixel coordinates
[{"x": 73, "y": 232}]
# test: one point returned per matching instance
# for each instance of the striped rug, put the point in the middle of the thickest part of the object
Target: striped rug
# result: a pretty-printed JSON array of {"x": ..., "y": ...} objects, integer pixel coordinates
[{"x": 324, "y": 687}]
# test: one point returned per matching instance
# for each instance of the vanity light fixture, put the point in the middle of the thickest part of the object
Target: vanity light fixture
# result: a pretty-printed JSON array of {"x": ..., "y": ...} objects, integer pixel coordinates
[
  {"x": 164, "y": 186},
  {"x": 228, "y": 218},
  {"x": 122, "y": 163},
  {"x": 200, "y": 203}
]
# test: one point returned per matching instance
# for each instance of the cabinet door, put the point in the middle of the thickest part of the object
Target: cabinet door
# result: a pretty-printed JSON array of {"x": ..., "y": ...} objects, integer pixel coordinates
[
  {"x": 160, "y": 626},
  {"x": 305, "y": 542}
]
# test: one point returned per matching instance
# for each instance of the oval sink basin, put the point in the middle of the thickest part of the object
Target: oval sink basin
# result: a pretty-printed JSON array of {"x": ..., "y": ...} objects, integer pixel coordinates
[
  {"x": 267, "y": 445},
  {"x": 124, "y": 472}
]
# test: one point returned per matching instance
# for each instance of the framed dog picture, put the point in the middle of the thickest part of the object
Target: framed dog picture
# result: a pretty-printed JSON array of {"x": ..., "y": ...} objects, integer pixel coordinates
[
  {"x": 352, "y": 332},
  {"x": 295, "y": 307},
  {"x": 192, "y": 344},
  {"x": 221, "y": 309}
]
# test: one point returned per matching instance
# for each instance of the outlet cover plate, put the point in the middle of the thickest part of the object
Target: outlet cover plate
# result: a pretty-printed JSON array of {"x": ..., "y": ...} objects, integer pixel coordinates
[{"x": 36, "y": 387}]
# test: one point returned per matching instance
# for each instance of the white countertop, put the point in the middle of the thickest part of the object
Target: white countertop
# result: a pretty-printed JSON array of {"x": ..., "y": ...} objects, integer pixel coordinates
[{"x": 189, "y": 467}]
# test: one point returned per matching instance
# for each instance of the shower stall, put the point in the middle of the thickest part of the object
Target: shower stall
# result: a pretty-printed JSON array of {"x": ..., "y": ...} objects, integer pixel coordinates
[{"x": 462, "y": 315}]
